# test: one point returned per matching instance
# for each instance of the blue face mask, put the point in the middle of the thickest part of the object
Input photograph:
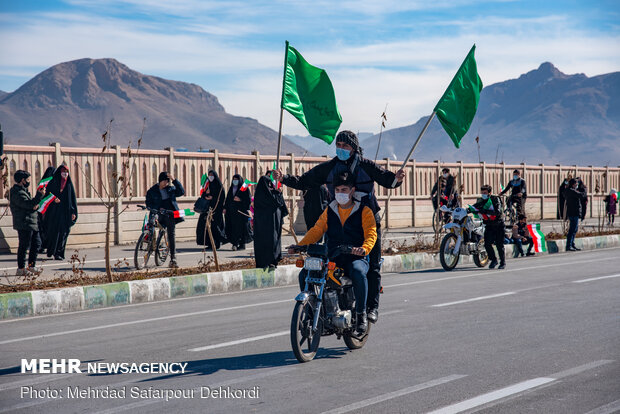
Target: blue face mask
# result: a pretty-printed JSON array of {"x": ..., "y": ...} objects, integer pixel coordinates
[
  {"x": 235, "y": 182},
  {"x": 484, "y": 196},
  {"x": 343, "y": 154}
]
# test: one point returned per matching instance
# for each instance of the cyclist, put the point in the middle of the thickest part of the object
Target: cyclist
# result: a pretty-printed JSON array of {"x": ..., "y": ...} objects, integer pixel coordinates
[
  {"x": 519, "y": 192},
  {"x": 164, "y": 196}
]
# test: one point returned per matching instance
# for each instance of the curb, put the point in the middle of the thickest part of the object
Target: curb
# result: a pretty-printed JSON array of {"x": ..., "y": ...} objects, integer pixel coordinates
[{"x": 53, "y": 301}]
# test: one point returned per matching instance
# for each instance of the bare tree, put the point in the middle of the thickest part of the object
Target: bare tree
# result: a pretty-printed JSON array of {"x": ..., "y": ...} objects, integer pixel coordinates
[{"x": 113, "y": 189}]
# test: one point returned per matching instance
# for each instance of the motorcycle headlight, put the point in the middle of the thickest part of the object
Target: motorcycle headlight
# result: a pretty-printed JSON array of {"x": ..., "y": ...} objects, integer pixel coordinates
[{"x": 313, "y": 264}]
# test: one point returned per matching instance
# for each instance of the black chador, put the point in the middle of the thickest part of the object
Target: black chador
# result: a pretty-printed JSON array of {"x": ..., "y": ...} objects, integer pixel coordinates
[{"x": 269, "y": 212}]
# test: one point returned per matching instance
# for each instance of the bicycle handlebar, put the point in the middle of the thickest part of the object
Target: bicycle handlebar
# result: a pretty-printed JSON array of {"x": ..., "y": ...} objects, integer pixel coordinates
[{"x": 160, "y": 211}]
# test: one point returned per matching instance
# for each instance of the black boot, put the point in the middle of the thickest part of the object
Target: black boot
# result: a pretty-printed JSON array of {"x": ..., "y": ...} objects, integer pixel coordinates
[
  {"x": 373, "y": 315},
  {"x": 362, "y": 324},
  {"x": 493, "y": 264}
]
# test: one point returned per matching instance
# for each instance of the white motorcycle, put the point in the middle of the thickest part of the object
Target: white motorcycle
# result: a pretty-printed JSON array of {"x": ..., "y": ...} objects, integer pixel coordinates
[{"x": 465, "y": 235}]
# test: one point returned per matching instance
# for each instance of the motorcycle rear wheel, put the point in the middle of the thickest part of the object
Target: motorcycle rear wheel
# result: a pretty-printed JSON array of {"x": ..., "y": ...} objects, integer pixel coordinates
[
  {"x": 301, "y": 332},
  {"x": 447, "y": 244},
  {"x": 481, "y": 259}
]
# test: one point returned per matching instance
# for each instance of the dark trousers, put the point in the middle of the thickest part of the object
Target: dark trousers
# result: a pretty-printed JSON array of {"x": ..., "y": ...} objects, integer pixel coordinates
[
  {"x": 519, "y": 243},
  {"x": 494, "y": 235},
  {"x": 169, "y": 223},
  {"x": 572, "y": 231},
  {"x": 356, "y": 270},
  {"x": 57, "y": 243},
  {"x": 28, "y": 242},
  {"x": 374, "y": 272},
  {"x": 520, "y": 203}
]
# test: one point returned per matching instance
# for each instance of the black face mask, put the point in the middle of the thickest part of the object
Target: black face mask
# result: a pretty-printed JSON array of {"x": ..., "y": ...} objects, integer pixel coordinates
[{"x": 27, "y": 184}]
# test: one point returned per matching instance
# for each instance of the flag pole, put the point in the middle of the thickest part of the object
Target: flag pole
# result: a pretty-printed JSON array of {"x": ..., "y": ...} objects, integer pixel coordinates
[
  {"x": 281, "y": 105},
  {"x": 417, "y": 141}
]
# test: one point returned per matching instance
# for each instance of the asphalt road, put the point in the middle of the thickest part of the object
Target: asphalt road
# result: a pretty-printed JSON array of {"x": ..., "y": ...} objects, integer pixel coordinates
[
  {"x": 188, "y": 253},
  {"x": 542, "y": 336}
]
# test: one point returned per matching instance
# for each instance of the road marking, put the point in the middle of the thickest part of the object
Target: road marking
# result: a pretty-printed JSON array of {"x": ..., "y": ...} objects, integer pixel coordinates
[
  {"x": 596, "y": 278},
  {"x": 391, "y": 395},
  {"x": 513, "y": 390},
  {"x": 473, "y": 299},
  {"x": 612, "y": 407},
  {"x": 392, "y": 312},
  {"x": 493, "y": 396},
  {"x": 161, "y": 318},
  {"x": 240, "y": 341}
]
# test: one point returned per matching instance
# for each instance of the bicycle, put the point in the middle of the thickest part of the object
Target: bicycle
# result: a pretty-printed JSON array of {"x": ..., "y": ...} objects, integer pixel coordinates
[
  {"x": 150, "y": 241},
  {"x": 439, "y": 217},
  {"x": 510, "y": 212}
]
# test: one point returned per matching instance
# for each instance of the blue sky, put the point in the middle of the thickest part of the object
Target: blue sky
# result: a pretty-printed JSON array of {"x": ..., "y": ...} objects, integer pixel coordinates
[{"x": 400, "y": 53}]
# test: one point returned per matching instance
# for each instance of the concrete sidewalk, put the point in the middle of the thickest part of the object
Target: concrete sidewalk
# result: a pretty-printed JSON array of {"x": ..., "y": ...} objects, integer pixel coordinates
[{"x": 190, "y": 254}]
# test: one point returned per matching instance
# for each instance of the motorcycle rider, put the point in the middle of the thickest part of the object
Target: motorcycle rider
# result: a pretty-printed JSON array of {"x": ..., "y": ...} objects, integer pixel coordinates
[
  {"x": 519, "y": 191},
  {"x": 490, "y": 207},
  {"x": 347, "y": 221},
  {"x": 365, "y": 174}
]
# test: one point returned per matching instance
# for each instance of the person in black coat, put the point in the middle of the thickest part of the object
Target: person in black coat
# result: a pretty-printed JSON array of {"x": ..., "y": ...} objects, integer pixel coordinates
[
  {"x": 48, "y": 173},
  {"x": 216, "y": 196},
  {"x": 62, "y": 214},
  {"x": 584, "y": 201},
  {"x": 316, "y": 200},
  {"x": 574, "y": 201},
  {"x": 269, "y": 212},
  {"x": 236, "y": 213},
  {"x": 164, "y": 196},
  {"x": 562, "y": 199}
]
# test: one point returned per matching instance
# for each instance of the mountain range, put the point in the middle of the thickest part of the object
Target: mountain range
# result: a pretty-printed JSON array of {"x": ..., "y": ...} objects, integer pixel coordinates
[
  {"x": 73, "y": 102},
  {"x": 544, "y": 116}
]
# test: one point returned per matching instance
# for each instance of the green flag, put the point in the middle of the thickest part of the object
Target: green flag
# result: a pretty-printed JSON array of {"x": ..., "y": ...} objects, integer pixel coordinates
[
  {"x": 457, "y": 106},
  {"x": 308, "y": 95}
]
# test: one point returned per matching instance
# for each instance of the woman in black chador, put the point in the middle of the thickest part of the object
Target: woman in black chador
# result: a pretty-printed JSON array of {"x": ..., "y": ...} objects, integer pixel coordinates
[
  {"x": 269, "y": 212},
  {"x": 216, "y": 196},
  {"x": 48, "y": 173},
  {"x": 236, "y": 212},
  {"x": 61, "y": 214}
]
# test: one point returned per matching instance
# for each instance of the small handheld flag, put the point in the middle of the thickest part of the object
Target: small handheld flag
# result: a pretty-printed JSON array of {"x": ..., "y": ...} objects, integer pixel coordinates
[
  {"x": 183, "y": 213},
  {"x": 276, "y": 184},
  {"x": 538, "y": 237},
  {"x": 204, "y": 183},
  {"x": 43, "y": 183},
  {"x": 145, "y": 222},
  {"x": 45, "y": 203},
  {"x": 246, "y": 185}
]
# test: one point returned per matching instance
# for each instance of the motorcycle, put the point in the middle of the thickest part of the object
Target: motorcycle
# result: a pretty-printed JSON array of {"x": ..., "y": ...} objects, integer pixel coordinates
[
  {"x": 326, "y": 306},
  {"x": 465, "y": 235}
]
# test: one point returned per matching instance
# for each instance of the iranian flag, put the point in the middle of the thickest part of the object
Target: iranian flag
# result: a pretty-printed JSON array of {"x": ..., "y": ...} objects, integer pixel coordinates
[
  {"x": 204, "y": 183},
  {"x": 246, "y": 185},
  {"x": 538, "y": 237},
  {"x": 276, "y": 184},
  {"x": 183, "y": 213},
  {"x": 43, "y": 183},
  {"x": 45, "y": 203},
  {"x": 145, "y": 221},
  {"x": 615, "y": 197}
]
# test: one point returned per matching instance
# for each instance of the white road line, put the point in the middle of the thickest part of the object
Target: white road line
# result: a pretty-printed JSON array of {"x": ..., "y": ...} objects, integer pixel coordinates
[
  {"x": 392, "y": 312},
  {"x": 239, "y": 341},
  {"x": 161, "y": 318},
  {"x": 493, "y": 273},
  {"x": 473, "y": 299},
  {"x": 391, "y": 395},
  {"x": 596, "y": 278},
  {"x": 515, "y": 389},
  {"x": 612, "y": 407},
  {"x": 492, "y": 396}
]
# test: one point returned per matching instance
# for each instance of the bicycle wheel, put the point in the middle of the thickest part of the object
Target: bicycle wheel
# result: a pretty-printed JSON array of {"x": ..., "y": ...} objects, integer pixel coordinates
[
  {"x": 143, "y": 250},
  {"x": 436, "y": 220},
  {"x": 162, "y": 250}
]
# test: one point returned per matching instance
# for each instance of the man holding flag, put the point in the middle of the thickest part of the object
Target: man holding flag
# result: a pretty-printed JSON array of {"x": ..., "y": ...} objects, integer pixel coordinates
[
  {"x": 24, "y": 211},
  {"x": 490, "y": 207},
  {"x": 164, "y": 196}
]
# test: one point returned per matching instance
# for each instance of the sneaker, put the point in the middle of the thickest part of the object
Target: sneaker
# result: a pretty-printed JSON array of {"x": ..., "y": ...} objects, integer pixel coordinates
[
  {"x": 531, "y": 254},
  {"x": 576, "y": 249},
  {"x": 502, "y": 266},
  {"x": 173, "y": 264},
  {"x": 373, "y": 315},
  {"x": 35, "y": 270},
  {"x": 234, "y": 248},
  {"x": 493, "y": 264},
  {"x": 22, "y": 272},
  {"x": 58, "y": 257},
  {"x": 570, "y": 249}
]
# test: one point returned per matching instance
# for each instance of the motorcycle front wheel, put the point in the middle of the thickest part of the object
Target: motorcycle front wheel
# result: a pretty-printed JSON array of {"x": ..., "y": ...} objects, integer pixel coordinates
[
  {"x": 447, "y": 256},
  {"x": 481, "y": 259},
  {"x": 304, "y": 342}
]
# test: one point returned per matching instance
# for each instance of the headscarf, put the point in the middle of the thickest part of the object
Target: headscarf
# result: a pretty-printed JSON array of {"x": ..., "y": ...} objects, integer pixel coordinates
[
  {"x": 349, "y": 137},
  {"x": 63, "y": 181}
]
